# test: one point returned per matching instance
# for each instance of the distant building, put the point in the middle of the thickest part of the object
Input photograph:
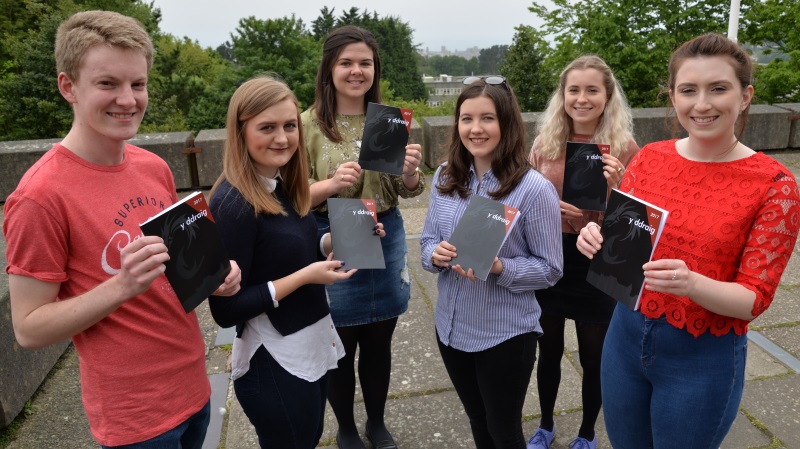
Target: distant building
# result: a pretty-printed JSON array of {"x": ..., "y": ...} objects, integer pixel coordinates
[
  {"x": 466, "y": 54},
  {"x": 442, "y": 88}
]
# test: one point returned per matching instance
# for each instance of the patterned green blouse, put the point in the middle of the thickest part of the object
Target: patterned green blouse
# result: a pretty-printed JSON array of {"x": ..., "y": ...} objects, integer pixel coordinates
[{"x": 324, "y": 157}]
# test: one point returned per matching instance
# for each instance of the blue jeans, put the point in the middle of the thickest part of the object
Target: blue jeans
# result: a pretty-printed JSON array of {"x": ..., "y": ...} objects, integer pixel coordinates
[
  {"x": 664, "y": 389},
  {"x": 190, "y": 434},
  {"x": 286, "y": 411}
]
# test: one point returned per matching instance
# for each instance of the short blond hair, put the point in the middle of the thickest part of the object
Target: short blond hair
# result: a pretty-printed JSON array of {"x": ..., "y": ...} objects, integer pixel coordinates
[{"x": 84, "y": 30}]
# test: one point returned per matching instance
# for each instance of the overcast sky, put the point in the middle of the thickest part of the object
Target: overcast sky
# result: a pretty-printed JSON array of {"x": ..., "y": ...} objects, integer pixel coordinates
[{"x": 456, "y": 25}]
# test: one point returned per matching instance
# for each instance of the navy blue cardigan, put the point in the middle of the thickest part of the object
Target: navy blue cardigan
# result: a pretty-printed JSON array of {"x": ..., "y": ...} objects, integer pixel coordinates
[{"x": 267, "y": 248}]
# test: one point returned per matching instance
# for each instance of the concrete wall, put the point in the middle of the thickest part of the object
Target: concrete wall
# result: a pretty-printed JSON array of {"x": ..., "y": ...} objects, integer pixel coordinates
[
  {"x": 171, "y": 147},
  {"x": 768, "y": 128},
  {"x": 197, "y": 162},
  {"x": 16, "y": 158},
  {"x": 794, "y": 120}
]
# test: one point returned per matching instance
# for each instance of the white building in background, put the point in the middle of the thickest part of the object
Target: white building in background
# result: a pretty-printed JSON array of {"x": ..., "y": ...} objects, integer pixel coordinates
[
  {"x": 442, "y": 88},
  {"x": 469, "y": 53}
]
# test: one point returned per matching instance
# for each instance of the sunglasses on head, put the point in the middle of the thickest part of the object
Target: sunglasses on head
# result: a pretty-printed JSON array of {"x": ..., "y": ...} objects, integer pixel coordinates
[{"x": 494, "y": 80}]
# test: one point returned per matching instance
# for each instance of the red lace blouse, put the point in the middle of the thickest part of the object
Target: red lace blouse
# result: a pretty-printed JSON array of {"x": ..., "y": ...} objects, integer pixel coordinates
[{"x": 730, "y": 221}]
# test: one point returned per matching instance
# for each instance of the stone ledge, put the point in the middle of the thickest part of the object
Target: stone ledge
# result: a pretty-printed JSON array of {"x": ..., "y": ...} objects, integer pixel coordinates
[
  {"x": 768, "y": 128},
  {"x": 170, "y": 146},
  {"x": 22, "y": 370},
  {"x": 18, "y": 156},
  {"x": 794, "y": 124},
  {"x": 15, "y": 159}
]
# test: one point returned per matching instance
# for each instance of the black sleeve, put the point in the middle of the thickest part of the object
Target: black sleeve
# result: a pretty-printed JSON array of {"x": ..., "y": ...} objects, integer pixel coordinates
[{"x": 238, "y": 226}]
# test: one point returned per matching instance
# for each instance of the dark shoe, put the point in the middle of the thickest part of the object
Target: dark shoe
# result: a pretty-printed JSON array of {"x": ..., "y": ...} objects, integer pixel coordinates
[
  {"x": 349, "y": 441},
  {"x": 380, "y": 437}
]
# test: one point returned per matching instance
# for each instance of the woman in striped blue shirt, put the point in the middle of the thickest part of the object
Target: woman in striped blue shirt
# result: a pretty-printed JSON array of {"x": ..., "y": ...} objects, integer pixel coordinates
[{"x": 487, "y": 330}]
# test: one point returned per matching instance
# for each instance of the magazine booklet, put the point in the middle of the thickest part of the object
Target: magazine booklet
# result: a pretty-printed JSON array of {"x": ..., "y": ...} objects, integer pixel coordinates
[
  {"x": 353, "y": 235},
  {"x": 631, "y": 229},
  {"x": 198, "y": 262},
  {"x": 585, "y": 187},
  {"x": 480, "y": 233},
  {"x": 383, "y": 145}
]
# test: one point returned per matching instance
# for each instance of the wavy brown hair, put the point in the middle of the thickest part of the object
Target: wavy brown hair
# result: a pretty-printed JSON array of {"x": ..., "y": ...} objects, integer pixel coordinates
[
  {"x": 509, "y": 158},
  {"x": 325, "y": 104},
  {"x": 251, "y": 99}
]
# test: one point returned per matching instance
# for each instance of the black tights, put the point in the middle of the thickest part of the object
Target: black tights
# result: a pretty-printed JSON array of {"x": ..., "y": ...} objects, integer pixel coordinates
[
  {"x": 548, "y": 372},
  {"x": 374, "y": 341}
]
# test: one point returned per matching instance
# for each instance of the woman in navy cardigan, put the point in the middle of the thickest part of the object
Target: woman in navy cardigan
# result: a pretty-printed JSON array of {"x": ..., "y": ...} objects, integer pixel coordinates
[{"x": 286, "y": 341}]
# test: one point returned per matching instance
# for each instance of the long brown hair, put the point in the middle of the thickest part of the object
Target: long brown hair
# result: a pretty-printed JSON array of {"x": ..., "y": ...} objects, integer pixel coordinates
[
  {"x": 325, "y": 104},
  {"x": 250, "y": 99},
  {"x": 509, "y": 158},
  {"x": 709, "y": 45}
]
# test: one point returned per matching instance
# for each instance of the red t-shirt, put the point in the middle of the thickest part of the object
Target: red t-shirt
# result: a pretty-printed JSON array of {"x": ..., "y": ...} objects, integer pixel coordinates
[
  {"x": 143, "y": 366},
  {"x": 730, "y": 221}
]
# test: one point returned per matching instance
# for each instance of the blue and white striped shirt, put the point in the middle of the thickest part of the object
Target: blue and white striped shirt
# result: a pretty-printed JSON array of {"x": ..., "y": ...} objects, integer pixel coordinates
[{"x": 472, "y": 316}]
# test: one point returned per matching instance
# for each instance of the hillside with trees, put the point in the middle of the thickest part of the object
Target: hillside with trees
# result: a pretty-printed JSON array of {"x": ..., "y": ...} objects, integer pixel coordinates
[{"x": 190, "y": 86}]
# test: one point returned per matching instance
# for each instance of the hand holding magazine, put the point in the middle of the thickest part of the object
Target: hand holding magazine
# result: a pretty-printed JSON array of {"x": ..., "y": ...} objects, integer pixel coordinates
[
  {"x": 631, "y": 229},
  {"x": 480, "y": 233}
]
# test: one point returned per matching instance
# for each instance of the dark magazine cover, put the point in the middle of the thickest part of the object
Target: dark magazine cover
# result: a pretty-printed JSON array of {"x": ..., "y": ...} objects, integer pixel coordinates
[
  {"x": 585, "y": 187},
  {"x": 198, "y": 262},
  {"x": 631, "y": 229},
  {"x": 383, "y": 145}
]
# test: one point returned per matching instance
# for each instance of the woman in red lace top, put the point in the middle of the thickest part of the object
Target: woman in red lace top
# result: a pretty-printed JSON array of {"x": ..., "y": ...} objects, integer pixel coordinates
[{"x": 673, "y": 372}]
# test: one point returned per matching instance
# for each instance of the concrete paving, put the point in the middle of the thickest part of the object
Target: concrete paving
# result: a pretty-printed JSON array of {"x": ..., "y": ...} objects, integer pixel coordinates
[{"x": 423, "y": 410}]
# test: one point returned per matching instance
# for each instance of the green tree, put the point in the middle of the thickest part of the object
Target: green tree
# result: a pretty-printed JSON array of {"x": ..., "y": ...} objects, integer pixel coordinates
[
  {"x": 226, "y": 51},
  {"x": 420, "y": 107},
  {"x": 635, "y": 37},
  {"x": 448, "y": 64},
  {"x": 773, "y": 24},
  {"x": 524, "y": 69},
  {"x": 323, "y": 24},
  {"x": 183, "y": 74},
  {"x": 491, "y": 58},
  {"x": 349, "y": 17},
  {"x": 30, "y": 105},
  {"x": 281, "y": 46},
  {"x": 398, "y": 53},
  {"x": 210, "y": 109}
]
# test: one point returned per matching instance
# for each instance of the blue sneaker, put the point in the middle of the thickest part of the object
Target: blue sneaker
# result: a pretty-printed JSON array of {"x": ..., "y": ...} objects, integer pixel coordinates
[
  {"x": 542, "y": 438},
  {"x": 583, "y": 443}
]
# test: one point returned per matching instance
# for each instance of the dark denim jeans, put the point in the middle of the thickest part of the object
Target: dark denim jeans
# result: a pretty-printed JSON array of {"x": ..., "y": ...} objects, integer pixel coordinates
[
  {"x": 286, "y": 411},
  {"x": 664, "y": 388},
  {"x": 188, "y": 435},
  {"x": 491, "y": 385}
]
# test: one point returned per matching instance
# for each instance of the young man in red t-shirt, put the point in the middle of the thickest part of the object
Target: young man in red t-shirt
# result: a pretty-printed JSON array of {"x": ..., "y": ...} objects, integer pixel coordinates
[{"x": 78, "y": 263}]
